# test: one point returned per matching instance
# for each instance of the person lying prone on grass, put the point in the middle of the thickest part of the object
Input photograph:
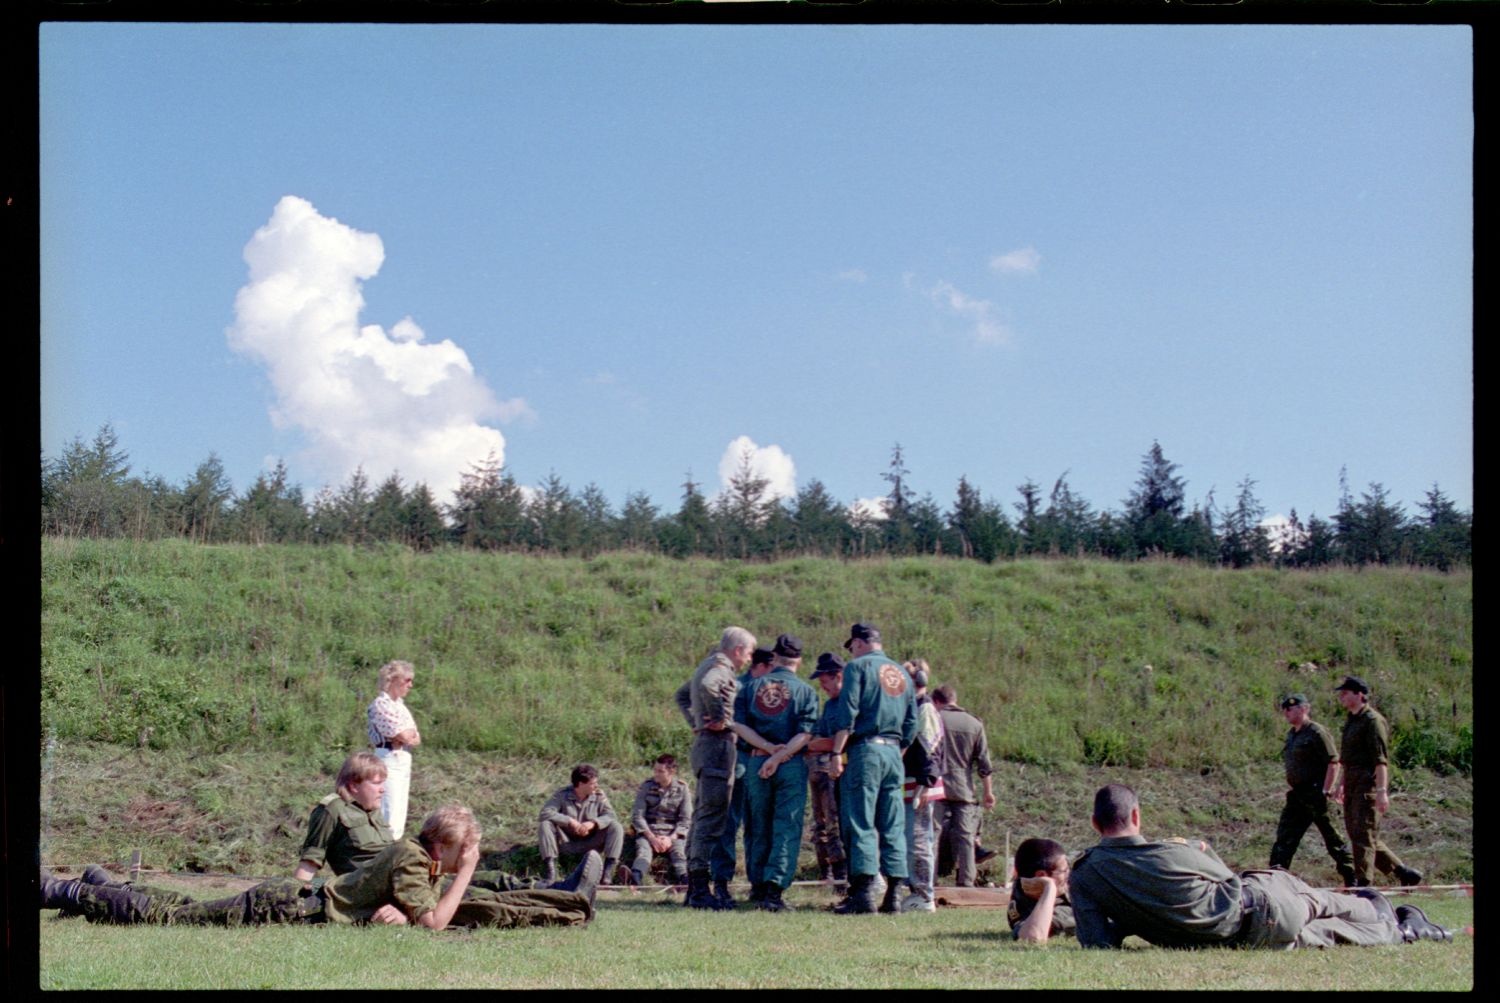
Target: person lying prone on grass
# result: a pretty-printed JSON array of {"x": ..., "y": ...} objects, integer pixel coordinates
[{"x": 400, "y": 885}]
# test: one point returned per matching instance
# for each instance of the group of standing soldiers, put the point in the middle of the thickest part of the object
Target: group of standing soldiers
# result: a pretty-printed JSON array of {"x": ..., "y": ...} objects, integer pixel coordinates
[{"x": 761, "y": 743}]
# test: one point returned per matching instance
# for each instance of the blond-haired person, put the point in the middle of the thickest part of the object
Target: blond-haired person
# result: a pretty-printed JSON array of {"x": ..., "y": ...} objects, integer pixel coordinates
[
  {"x": 393, "y": 734},
  {"x": 346, "y": 829}
]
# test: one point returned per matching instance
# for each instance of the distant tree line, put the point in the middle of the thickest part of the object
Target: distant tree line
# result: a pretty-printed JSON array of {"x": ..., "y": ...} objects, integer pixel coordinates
[{"x": 88, "y": 491}]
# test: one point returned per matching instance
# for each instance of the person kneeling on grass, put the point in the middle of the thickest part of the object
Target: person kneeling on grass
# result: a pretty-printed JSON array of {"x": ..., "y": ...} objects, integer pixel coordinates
[
  {"x": 399, "y": 886},
  {"x": 1039, "y": 907},
  {"x": 1175, "y": 894}
]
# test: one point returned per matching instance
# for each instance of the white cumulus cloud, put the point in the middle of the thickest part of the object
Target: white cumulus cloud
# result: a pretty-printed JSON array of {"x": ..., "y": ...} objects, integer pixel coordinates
[
  {"x": 361, "y": 395},
  {"x": 768, "y": 462},
  {"x": 1022, "y": 261},
  {"x": 869, "y": 508},
  {"x": 988, "y": 329}
]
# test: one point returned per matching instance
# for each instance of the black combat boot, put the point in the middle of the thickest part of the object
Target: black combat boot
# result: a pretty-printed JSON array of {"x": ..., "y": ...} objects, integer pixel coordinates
[
  {"x": 1346, "y": 875},
  {"x": 698, "y": 894},
  {"x": 1416, "y": 926},
  {"x": 772, "y": 901},
  {"x": 1381, "y": 903},
  {"x": 892, "y": 900},
  {"x": 57, "y": 893},
  {"x": 861, "y": 896},
  {"x": 758, "y": 892},
  {"x": 1408, "y": 876},
  {"x": 721, "y": 894},
  {"x": 549, "y": 869}
]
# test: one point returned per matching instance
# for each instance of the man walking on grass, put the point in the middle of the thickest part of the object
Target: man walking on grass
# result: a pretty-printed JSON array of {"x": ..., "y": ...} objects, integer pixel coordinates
[
  {"x": 959, "y": 814},
  {"x": 1365, "y": 793},
  {"x": 1312, "y": 767}
]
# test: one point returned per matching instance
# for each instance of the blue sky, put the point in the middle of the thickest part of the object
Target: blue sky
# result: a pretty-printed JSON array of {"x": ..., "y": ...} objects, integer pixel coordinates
[{"x": 611, "y": 252}]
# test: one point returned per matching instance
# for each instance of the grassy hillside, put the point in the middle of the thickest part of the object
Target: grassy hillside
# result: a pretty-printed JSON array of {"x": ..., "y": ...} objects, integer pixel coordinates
[{"x": 176, "y": 646}]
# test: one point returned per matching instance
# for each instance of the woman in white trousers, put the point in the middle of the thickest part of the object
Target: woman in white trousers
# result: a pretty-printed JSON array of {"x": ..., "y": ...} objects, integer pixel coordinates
[{"x": 393, "y": 733}]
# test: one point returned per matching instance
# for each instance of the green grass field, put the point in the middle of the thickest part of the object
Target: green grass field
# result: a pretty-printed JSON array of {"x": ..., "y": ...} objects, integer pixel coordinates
[
  {"x": 639, "y": 942},
  {"x": 197, "y": 700}
]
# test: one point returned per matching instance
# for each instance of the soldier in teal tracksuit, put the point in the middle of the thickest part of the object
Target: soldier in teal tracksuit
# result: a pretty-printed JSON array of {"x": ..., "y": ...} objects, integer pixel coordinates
[
  {"x": 781, "y": 710},
  {"x": 876, "y": 719}
]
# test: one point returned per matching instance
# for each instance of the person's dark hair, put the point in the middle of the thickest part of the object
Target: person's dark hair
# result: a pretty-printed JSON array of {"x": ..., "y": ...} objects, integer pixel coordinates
[
  {"x": 945, "y": 694},
  {"x": 583, "y": 773},
  {"x": 1112, "y": 806},
  {"x": 1037, "y": 854},
  {"x": 668, "y": 760}
]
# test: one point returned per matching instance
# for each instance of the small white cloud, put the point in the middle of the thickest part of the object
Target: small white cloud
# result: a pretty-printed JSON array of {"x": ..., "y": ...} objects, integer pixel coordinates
[
  {"x": 868, "y": 508},
  {"x": 362, "y": 396},
  {"x": 1279, "y": 532},
  {"x": 988, "y": 328},
  {"x": 769, "y": 462},
  {"x": 852, "y": 275},
  {"x": 1022, "y": 261}
]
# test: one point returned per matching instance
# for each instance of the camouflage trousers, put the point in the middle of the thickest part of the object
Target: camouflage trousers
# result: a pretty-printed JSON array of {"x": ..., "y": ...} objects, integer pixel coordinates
[
  {"x": 824, "y": 794},
  {"x": 286, "y": 900}
]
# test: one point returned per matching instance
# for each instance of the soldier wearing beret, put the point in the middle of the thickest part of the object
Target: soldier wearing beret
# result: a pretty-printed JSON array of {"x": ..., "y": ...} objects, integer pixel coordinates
[
  {"x": 875, "y": 719},
  {"x": 1365, "y": 792},
  {"x": 1312, "y": 764},
  {"x": 779, "y": 709},
  {"x": 823, "y": 786}
]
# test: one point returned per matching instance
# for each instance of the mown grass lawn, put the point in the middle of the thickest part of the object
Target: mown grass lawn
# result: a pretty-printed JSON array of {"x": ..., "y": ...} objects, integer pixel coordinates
[{"x": 644, "y": 942}]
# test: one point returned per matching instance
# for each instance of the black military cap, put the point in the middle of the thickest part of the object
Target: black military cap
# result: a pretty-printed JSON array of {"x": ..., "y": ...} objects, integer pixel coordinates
[
  {"x": 788, "y": 646},
  {"x": 828, "y": 664},
  {"x": 1353, "y": 684},
  {"x": 762, "y": 656},
  {"x": 1295, "y": 700},
  {"x": 862, "y": 632}
]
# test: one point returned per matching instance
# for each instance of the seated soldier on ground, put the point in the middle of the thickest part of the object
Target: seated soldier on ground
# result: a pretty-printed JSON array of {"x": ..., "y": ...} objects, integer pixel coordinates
[
  {"x": 1039, "y": 906},
  {"x": 1174, "y": 894},
  {"x": 400, "y": 885},
  {"x": 579, "y": 818},
  {"x": 661, "y": 817}
]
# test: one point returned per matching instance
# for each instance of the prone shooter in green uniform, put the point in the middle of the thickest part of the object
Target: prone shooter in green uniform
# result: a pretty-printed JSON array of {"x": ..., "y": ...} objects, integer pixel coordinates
[{"x": 399, "y": 886}]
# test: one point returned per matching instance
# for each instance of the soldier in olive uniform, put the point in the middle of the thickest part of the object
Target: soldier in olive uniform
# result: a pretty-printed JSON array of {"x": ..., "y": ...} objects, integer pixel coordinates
[
  {"x": 1039, "y": 908},
  {"x": 823, "y": 787},
  {"x": 875, "y": 718},
  {"x": 399, "y": 886},
  {"x": 1365, "y": 793},
  {"x": 1175, "y": 894},
  {"x": 721, "y": 859},
  {"x": 662, "y": 815},
  {"x": 1311, "y": 762},
  {"x": 707, "y": 704},
  {"x": 347, "y": 829},
  {"x": 579, "y": 818},
  {"x": 779, "y": 709}
]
